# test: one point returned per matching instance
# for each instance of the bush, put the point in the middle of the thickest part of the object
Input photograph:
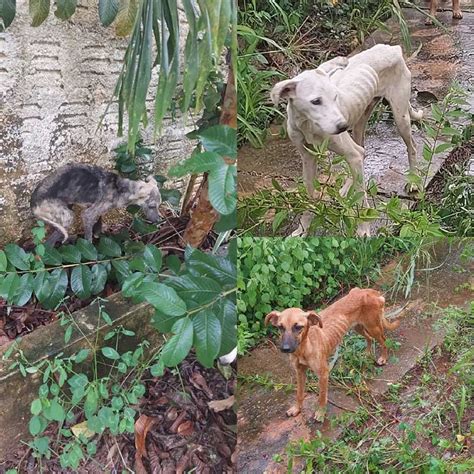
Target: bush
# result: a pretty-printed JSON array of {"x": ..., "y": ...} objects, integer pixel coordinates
[{"x": 281, "y": 273}]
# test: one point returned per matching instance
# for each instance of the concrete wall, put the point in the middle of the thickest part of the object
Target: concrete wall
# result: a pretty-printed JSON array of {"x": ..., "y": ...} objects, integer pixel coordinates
[{"x": 55, "y": 82}]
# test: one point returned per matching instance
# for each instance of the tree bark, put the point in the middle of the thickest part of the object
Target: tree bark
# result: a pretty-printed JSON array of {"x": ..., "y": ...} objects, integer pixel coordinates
[{"x": 204, "y": 216}]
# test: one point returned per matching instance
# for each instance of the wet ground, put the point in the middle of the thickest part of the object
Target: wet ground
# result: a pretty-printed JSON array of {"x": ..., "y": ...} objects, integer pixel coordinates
[
  {"x": 264, "y": 429},
  {"x": 444, "y": 56}
]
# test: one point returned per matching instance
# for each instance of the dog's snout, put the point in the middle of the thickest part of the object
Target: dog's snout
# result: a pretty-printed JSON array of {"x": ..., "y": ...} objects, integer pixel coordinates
[
  {"x": 341, "y": 127},
  {"x": 285, "y": 348}
]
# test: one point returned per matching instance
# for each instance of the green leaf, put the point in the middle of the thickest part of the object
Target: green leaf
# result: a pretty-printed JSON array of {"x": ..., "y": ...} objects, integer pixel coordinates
[
  {"x": 24, "y": 290},
  {"x": 131, "y": 283},
  {"x": 199, "y": 289},
  {"x": 122, "y": 269},
  {"x": 164, "y": 298},
  {"x": 226, "y": 222},
  {"x": 36, "y": 406},
  {"x": 51, "y": 256},
  {"x": 109, "y": 247},
  {"x": 110, "y": 353},
  {"x": 152, "y": 257},
  {"x": 7, "y": 13},
  {"x": 34, "y": 425},
  {"x": 39, "y": 11},
  {"x": 65, "y": 8},
  {"x": 81, "y": 280},
  {"x": 81, "y": 356},
  {"x": 163, "y": 322},
  {"x": 9, "y": 287},
  {"x": 227, "y": 315},
  {"x": 55, "y": 412},
  {"x": 198, "y": 163},
  {"x": 207, "y": 337},
  {"x": 56, "y": 288},
  {"x": 99, "y": 278},
  {"x": 222, "y": 188},
  {"x": 125, "y": 18},
  {"x": 87, "y": 249},
  {"x": 203, "y": 264},
  {"x": 179, "y": 345},
  {"x": 92, "y": 402},
  {"x": 70, "y": 254},
  {"x": 108, "y": 11},
  {"x": 17, "y": 257},
  {"x": 3, "y": 261},
  {"x": 221, "y": 139}
]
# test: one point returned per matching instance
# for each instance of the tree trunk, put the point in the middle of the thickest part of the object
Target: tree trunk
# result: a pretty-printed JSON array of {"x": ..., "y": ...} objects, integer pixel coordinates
[{"x": 204, "y": 216}]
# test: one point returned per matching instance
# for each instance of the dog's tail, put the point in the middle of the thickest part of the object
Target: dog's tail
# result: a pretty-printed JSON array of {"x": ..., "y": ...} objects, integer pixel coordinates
[
  {"x": 415, "y": 115},
  {"x": 386, "y": 323},
  {"x": 390, "y": 325}
]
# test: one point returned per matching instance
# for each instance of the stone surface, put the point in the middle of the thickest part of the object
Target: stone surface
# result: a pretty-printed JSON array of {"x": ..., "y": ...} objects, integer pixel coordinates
[
  {"x": 55, "y": 84},
  {"x": 17, "y": 392}
]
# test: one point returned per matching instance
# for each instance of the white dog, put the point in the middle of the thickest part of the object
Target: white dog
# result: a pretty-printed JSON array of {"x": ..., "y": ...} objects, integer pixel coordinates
[{"x": 338, "y": 96}]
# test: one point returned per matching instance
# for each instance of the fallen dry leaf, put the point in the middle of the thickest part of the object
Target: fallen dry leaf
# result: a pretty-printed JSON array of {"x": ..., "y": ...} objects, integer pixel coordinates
[
  {"x": 221, "y": 405},
  {"x": 81, "y": 429},
  {"x": 186, "y": 428},
  {"x": 200, "y": 383},
  {"x": 142, "y": 426}
]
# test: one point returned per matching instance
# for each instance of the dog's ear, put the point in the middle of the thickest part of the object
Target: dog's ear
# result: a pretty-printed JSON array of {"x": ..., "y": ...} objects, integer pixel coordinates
[
  {"x": 272, "y": 318},
  {"x": 283, "y": 90},
  {"x": 314, "y": 318}
]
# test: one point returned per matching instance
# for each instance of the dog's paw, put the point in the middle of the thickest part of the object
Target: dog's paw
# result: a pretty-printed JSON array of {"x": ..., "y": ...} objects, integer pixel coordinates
[
  {"x": 411, "y": 188},
  {"x": 363, "y": 230},
  {"x": 381, "y": 361},
  {"x": 457, "y": 14},
  {"x": 293, "y": 411},
  {"x": 320, "y": 414}
]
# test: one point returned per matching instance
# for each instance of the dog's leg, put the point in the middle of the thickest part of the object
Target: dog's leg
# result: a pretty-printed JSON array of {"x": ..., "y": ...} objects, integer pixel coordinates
[
  {"x": 433, "y": 9},
  {"x": 361, "y": 330},
  {"x": 378, "y": 334},
  {"x": 457, "y": 13},
  {"x": 402, "y": 120},
  {"x": 91, "y": 215},
  {"x": 323, "y": 378},
  {"x": 354, "y": 155},
  {"x": 310, "y": 170},
  {"x": 358, "y": 132},
  {"x": 300, "y": 385}
]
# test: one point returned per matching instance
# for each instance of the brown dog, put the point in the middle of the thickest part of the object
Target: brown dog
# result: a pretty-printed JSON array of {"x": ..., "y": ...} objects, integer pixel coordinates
[
  {"x": 457, "y": 13},
  {"x": 311, "y": 338}
]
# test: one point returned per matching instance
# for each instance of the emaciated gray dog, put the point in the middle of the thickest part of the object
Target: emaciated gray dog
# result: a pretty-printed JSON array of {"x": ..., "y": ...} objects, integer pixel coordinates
[{"x": 95, "y": 189}]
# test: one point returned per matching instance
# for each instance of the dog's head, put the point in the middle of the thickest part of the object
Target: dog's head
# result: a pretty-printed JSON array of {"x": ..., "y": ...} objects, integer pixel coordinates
[
  {"x": 313, "y": 95},
  {"x": 149, "y": 198},
  {"x": 293, "y": 324}
]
